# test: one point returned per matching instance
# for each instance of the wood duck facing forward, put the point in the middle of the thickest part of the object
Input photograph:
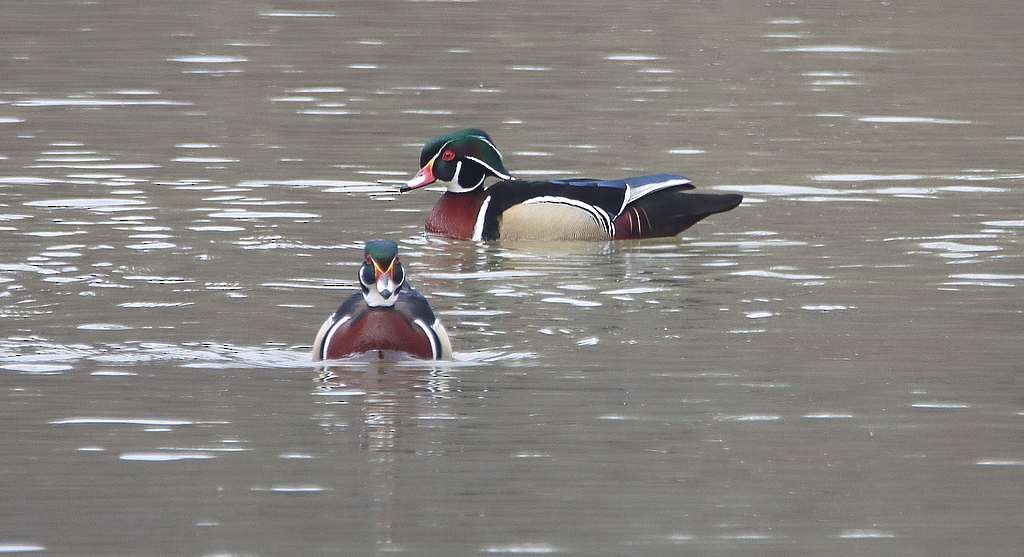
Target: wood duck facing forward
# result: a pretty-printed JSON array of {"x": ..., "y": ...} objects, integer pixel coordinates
[
  {"x": 570, "y": 209},
  {"x": 387, "y": 316}
]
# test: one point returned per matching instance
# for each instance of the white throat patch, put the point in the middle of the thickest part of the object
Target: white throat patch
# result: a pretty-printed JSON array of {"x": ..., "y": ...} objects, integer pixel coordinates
[
  {"x": 454, "y": 186},
  {"x": 375, "y": 300}
]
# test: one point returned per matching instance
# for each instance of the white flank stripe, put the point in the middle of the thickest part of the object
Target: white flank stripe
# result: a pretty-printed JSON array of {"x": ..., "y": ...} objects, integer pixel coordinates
[
  {"x": 600, "y": 215},
  {"x": 478, "y": 228},
  {"x": 334, "y": 329},
  {"x": 444, "y": 349},
  {"x": 434, "y": 348},
  {"x": 609, "y": 223}
]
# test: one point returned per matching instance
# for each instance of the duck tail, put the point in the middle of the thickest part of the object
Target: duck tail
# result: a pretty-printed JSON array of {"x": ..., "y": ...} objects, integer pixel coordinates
[{"x": 670, "y": 211}]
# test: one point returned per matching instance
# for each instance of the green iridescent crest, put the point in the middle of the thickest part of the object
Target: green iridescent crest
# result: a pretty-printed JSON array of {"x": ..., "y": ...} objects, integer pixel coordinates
[
  {"x": 382, "y": 251},
  {"x": 470, "y": 144}
]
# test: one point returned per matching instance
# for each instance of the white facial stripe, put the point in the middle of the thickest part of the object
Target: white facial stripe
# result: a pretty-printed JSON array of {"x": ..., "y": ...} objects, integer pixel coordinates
[
  {"x": 330, "y": 334},
  {"x": 478, "y": 228},
  {"x": 438, "y": 153},
  {"x": 453, "y": 185},
  {"x": 493, "y": 146},
  {"x": 501, "y": 175},
  {"x": 599, "y": 215}
]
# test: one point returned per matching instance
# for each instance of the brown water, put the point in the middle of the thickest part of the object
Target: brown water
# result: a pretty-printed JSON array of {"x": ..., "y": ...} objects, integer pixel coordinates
[{"x": 833, "y": 368}]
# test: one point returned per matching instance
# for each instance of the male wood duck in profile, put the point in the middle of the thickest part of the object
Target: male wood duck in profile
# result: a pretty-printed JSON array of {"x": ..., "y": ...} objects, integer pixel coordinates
[
  {"x": 387, "y": 316},
  {"x": 570, "y": 209}
]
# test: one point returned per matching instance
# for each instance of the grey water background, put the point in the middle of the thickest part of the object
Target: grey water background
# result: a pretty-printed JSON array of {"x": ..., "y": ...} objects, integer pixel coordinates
[{"x": 833, "y": 368}]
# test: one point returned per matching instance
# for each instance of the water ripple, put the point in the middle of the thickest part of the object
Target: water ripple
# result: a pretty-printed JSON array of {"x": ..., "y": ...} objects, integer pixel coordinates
[
  {"x": 910, "y": 120},
  {"x": 12, "y": 547},
  {"x": 208, "y": 59},
  {"x": 483, "y": 275},
  {"x": 243, "y": 214},
  {"x": 1000, "y": 462},
  {"x": 85, "y": 203},
  {"x": 774, "y": 274},
  {"x": 833, "y": 49},
  {"x": 521, "y": 548},
  {"x": 865, "y": 533},
  {"x": 297, "y": 14},
  {"x": 571, "y": 301},
  {"x": 121, "y": 421},
  {"x": 292, "y": 488},
  {"x": 165, "y": 456},
  {"x": 99, "y": 103}
]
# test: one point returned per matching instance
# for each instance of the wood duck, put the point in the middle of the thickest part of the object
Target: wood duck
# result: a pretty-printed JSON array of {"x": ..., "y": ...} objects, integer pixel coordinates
[
  {"x": 387, "y": 316},
  {"x": 570, "y": 209}
]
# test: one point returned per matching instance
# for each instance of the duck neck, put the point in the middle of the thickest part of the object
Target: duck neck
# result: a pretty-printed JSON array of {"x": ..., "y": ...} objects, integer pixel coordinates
[{"x": 454, "y": 215}]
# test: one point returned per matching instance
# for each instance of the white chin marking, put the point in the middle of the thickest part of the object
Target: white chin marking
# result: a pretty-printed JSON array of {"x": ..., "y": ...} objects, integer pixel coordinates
[
  {"x": 458, "y": 168},
  {"x": 454, "y": 187},
  {"x": 375, "y": 300}
]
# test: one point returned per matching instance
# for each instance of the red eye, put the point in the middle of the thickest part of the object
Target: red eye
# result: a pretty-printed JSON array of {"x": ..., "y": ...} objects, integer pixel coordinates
[{"x": 448, "y": 155}]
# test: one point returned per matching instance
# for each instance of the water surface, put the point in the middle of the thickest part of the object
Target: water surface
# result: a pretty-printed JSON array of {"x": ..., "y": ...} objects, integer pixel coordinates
[{"x": 832, "y": 368}]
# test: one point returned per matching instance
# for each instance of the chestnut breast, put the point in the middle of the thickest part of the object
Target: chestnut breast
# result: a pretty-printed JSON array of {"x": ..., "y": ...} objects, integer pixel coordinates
[
  {"x": 454, "y": 215},
  {"x": 379, "y": 329}
]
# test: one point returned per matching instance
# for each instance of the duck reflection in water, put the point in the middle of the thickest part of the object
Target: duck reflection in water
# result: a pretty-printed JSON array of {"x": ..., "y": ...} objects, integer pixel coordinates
[
  {"x": 371, "y": 402},
  {"x": 387, "y": 394}
]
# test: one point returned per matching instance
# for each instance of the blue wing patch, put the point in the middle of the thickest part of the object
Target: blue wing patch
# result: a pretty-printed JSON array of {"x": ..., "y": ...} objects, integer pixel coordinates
[{"x": 620, "y": 184}]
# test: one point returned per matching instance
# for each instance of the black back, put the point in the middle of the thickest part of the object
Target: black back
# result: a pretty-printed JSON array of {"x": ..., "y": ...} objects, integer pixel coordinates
[
  {"x": 507, "y": 193},
  {"x": 670, "y": 211},
  {"x": 410, "y": 304}
]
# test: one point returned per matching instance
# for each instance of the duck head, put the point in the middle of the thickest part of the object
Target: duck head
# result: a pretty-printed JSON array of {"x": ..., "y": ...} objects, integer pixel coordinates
[
  {"x": 461, "y": 160},
  {"x": 381, "y": 275}
]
